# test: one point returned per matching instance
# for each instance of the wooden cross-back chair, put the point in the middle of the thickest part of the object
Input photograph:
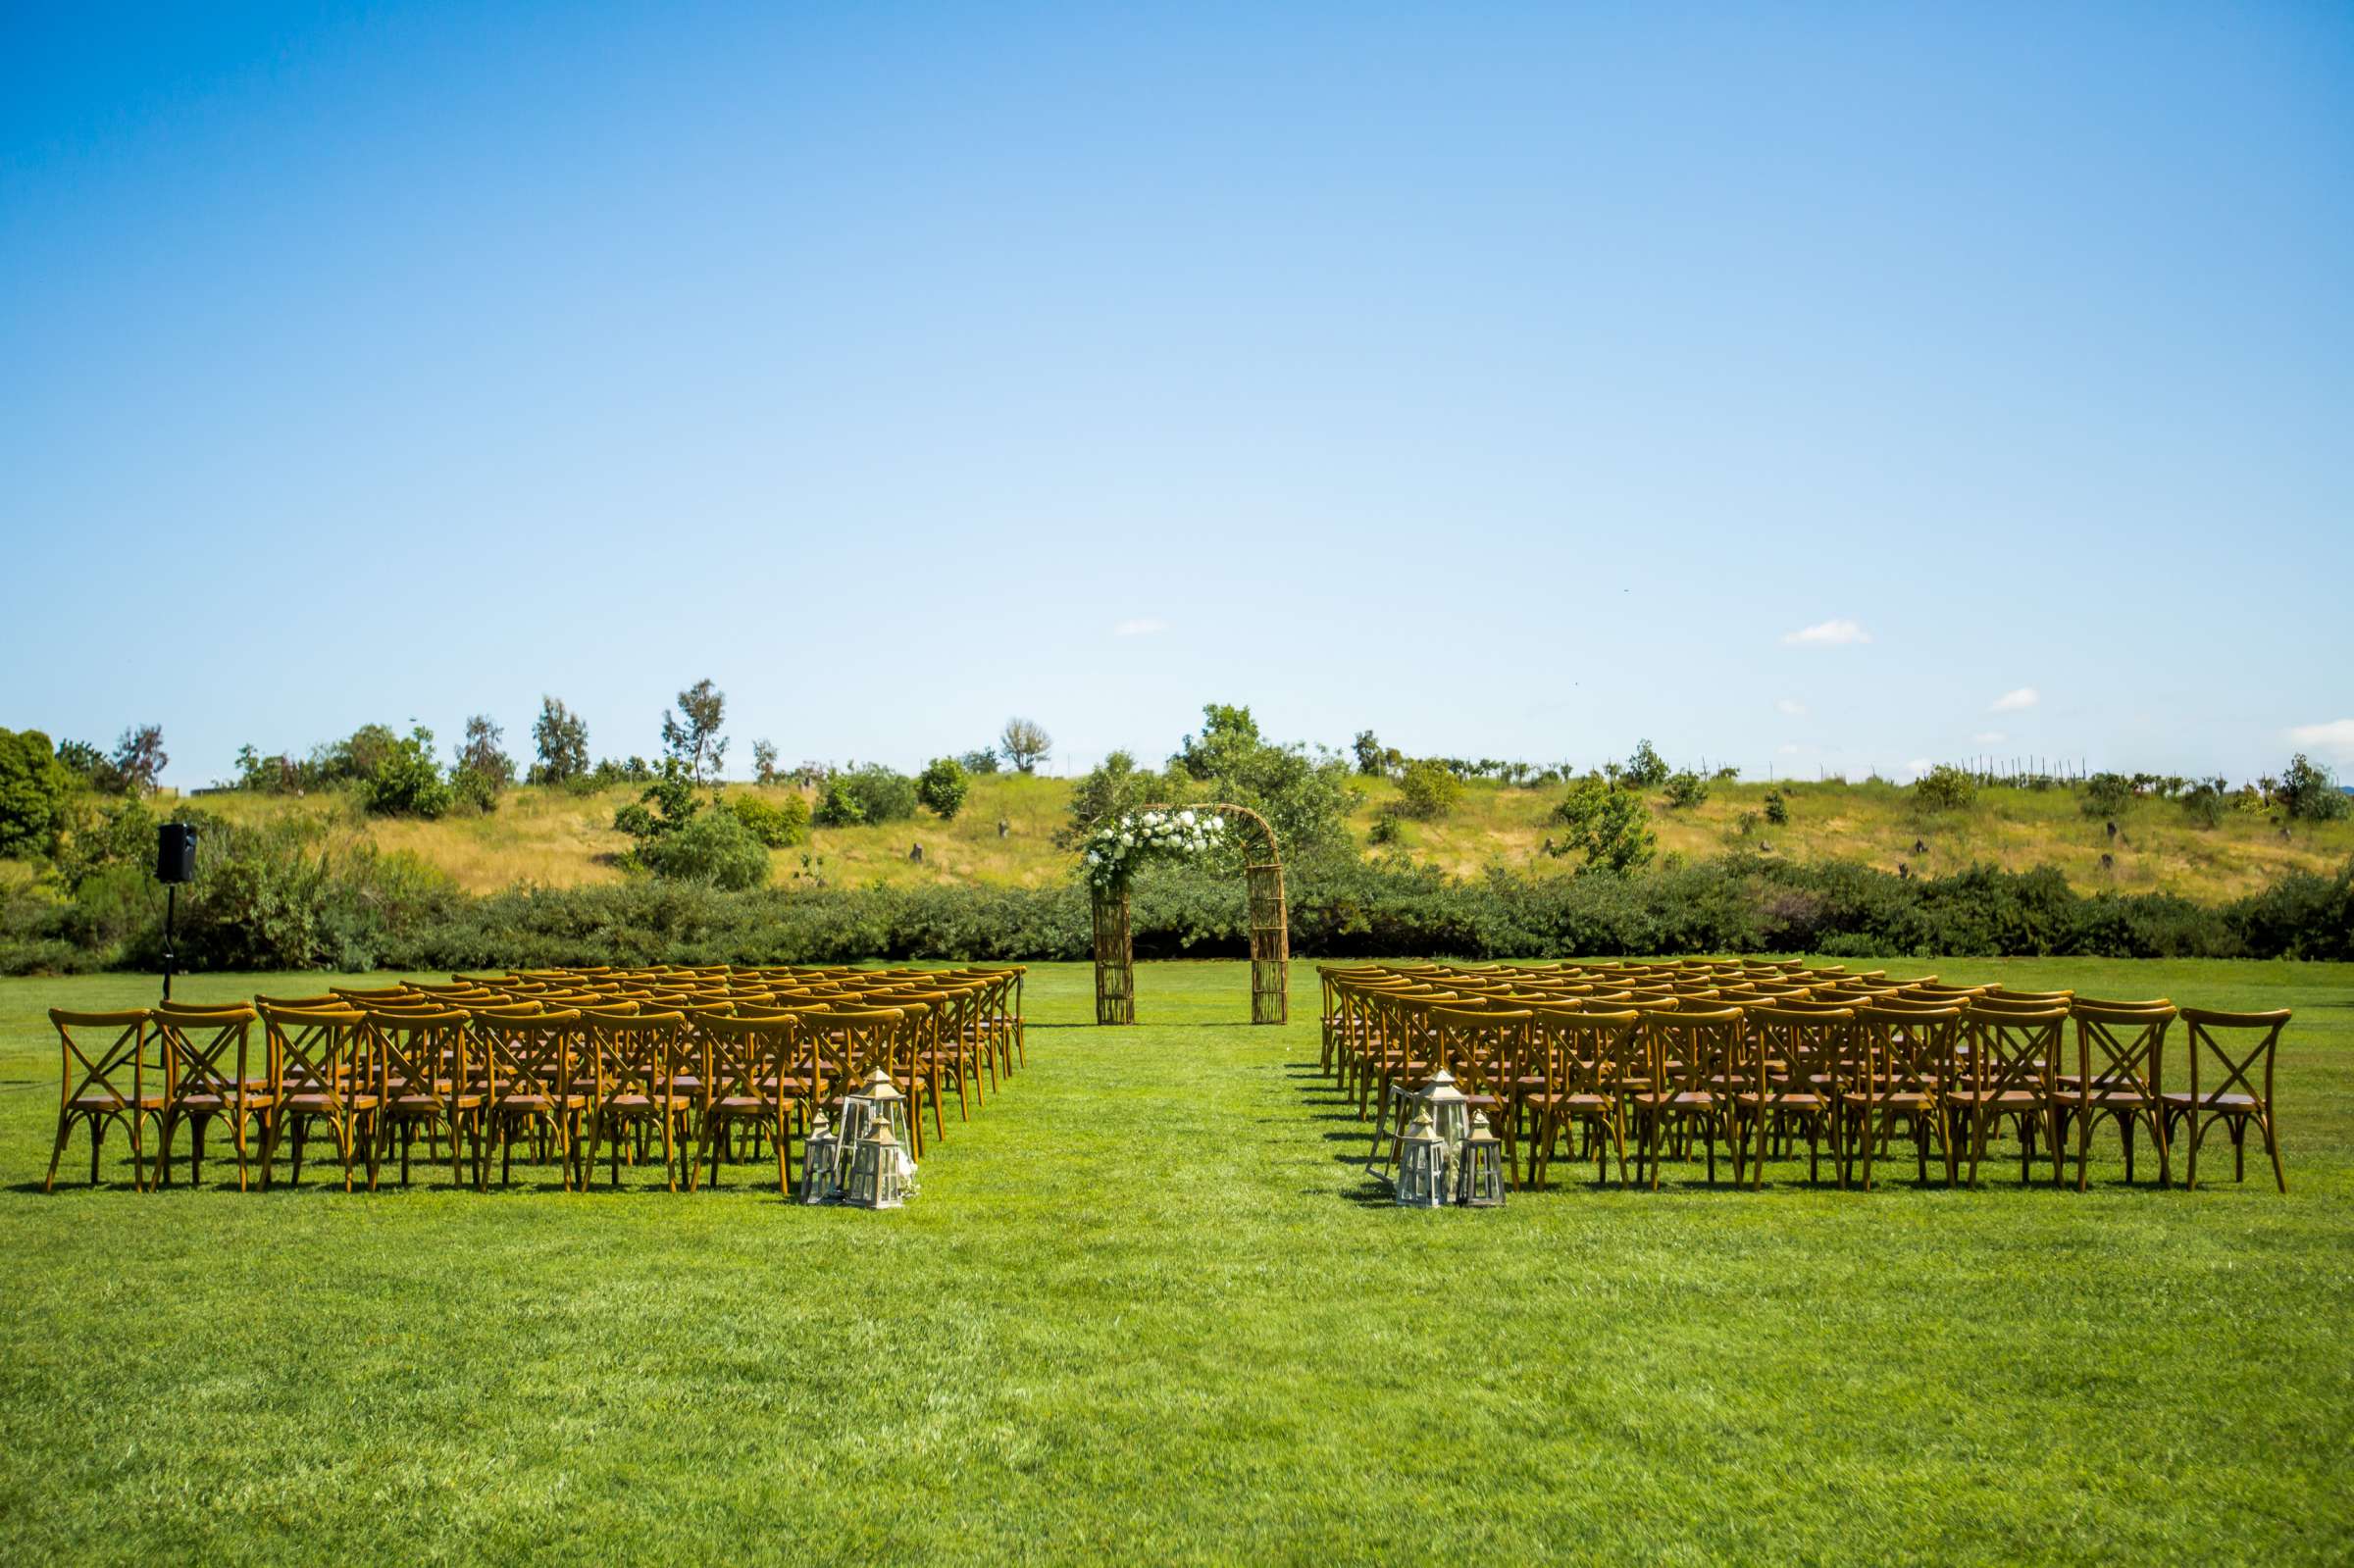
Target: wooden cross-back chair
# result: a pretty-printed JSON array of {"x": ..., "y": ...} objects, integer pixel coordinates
[
  {"x": 205, "y": 1052},
  {"x": 107, "y": 1074},
  {"x": 631, "y": 1063},
  {"x": 1793, "y": 1068},
  {"x": 1586, "y": 1061},
  {"x": 528, "y": 1055},
  {"x": 1907, "y": 1052},
  {"x": 1691, "y": 1052},
  {"x": 2009, "y": 1070},
  {"x": 325, "y": 1078},
  {"x": 1487, "y": 1050},
  {"x": 2229, "y": 1052},
  {"x": 868, "y": 1036},
  {"x": 753, "y": 1090},
  {"x": 2121, "y": 1057},
  {"x": 425, "y": 1081}
]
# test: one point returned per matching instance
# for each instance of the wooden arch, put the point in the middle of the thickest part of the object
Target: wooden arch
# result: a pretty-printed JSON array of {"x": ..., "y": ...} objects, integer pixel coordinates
[{"x": 1270, "y": 928}]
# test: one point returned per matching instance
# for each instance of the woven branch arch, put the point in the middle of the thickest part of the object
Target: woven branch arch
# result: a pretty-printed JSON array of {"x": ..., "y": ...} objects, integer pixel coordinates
[{"x": 1270, "y": 927}]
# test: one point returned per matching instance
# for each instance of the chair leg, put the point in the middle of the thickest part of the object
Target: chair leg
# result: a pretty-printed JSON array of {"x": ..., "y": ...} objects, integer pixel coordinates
[
  {"x": 57, "y": 1152},
  {"x": 2272, "y": 1146}
]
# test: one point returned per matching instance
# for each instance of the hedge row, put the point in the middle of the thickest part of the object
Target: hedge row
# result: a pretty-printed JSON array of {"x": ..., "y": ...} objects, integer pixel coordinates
[{"x": 298, "y": 907}]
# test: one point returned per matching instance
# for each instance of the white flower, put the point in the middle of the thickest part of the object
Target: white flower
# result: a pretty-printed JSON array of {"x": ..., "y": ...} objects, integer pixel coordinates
[
  {"x": 1092, "y": 858},
  {"x": 1186, "y": 817}
]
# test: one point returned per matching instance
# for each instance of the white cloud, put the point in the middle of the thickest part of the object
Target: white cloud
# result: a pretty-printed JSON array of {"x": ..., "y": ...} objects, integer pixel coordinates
[
  {"x": 1793, "y": 707},
  {"x": 2337, "y": 738},
  {"x": 1919, "y": 766},
  {"x": 1988, "y": 737},
  {"x": 2014, "y": 701},
  {"x": 1142, "y": 626},
  {"x": 1787, "y": 749},
  {"x": 1828, "y": 634}
]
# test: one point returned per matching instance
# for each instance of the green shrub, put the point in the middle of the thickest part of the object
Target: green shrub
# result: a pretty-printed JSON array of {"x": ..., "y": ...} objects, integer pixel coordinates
[
  {"x": 881, "y": 794},
  {"x": 667, "y": 804},
  {"x": 405, "y": 781},
  {"x": 941, "y": 787},
  {"x": 2308, "y": 792},
  {"x": 1646, "y": 769},
  {"x": 2104, "y": 794},
  {"x": 1427, "y": 790},
  {"x": 1945, "y": 787},
  {"x": 2204, "y": 803},
  {"x": 1385, "y": 829},
  {"x": 1686, "y": 788},
  {"x": 1777, "y": 810},
  {"x": 34, "y": 791},
  {"x": 1610, "y": 827},
  {"x": 713, "y": 848},
  {"x": 838, "y": 805},
  {"x": 295, "y": 895},
  {"x": 777, "y": 824},
  {"x": 478, "y": 791}
]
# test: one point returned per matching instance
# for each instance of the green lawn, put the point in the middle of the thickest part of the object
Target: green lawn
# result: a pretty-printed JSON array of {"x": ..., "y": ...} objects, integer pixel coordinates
[{"x": 1147, "y": 1311}]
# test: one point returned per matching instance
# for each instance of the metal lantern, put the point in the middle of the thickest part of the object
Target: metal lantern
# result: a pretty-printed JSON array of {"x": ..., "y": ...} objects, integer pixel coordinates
[
  {"x": 877, "y": 1180},
  {"x": 876, "y": 1099},
  {"x": 1479, "y": 1167},
  {"x": 1450, "y": 1113},
  {"x": 821, "y": 1153},
  {"x": 1422, "y": 1161}
]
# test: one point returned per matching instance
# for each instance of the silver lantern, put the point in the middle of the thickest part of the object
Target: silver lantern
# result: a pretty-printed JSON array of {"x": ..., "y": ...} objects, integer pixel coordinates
[
  {"x": 1450, "y": 1112},
  {"x": 875, "y": 1099},
  {"x": 1479, "y": 1167},
  {"x": 821, "y": 1153},
  {"x": 877, "y": 1180},
  {"x": 1422, "y": 1161},
  {"x": 1449, "y": 1115}
]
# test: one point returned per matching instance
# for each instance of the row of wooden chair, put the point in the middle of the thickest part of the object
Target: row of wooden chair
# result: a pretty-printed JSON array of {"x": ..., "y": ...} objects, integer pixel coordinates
[
  {"x": 701, "y": 1065},
  {"x": 1666, "y": 1058}
]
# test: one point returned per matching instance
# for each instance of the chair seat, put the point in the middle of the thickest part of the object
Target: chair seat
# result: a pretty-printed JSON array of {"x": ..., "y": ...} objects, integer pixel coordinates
[
  {"x": 319, "y": 1101},
  {"x": 2179, "y": 1101}
]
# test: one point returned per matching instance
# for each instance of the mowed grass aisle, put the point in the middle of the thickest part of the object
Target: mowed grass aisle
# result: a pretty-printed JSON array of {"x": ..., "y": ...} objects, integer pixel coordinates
[{"x": 1146, "y": 1310}]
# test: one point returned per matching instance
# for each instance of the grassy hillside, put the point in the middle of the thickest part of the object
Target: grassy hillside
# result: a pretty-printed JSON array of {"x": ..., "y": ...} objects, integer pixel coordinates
[{"x": 554, "y": 838}]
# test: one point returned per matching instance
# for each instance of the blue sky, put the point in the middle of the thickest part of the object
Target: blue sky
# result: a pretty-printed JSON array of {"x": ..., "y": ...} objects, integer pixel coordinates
[{"x": 1801, "y": 387}]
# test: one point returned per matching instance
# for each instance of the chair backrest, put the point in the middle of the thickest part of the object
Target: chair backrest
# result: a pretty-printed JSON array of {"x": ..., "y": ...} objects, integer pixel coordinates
[
  {"x": 315, "y": 1051},
  {"x": 750, "y": 1057},
  {"x": 1696, "y": 1045},
  {"x": 1909, "y": 1048},
  {"x": 204, "y": 1051},
  {"x": 104, "y": 1058},
  {"x": 2120, "y": 1050},
  {"x": 1799, "y": 1050},
  {"x": 2226, "y": 1050},
  {"x": 1483, "y": 1048},
  {"x": 2013, "y": 1048}
]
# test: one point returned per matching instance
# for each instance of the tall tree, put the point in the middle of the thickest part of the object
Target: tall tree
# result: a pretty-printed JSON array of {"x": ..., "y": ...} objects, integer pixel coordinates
[
  {"x": 480, "y": 751},
  {"x": 1025, "y": 743},
  {"x": 562, "y": 736},
  {"x": 695, "y": 737},
  {"x": 139, "y": 757}
]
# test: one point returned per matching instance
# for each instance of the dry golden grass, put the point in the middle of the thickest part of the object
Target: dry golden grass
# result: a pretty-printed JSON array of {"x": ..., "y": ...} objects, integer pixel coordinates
[
  {"x": 552, "y": 837},
  {"x": 2158, "y": 849}
]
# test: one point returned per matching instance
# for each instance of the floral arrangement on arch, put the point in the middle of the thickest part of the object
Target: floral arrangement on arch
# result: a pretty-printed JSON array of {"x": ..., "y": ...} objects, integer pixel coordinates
[{"x": 1116, "y": 849}]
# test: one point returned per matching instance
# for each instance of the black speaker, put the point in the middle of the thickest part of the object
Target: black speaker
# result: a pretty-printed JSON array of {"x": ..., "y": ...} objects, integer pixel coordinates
[{"x": 176, "y": 852}]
